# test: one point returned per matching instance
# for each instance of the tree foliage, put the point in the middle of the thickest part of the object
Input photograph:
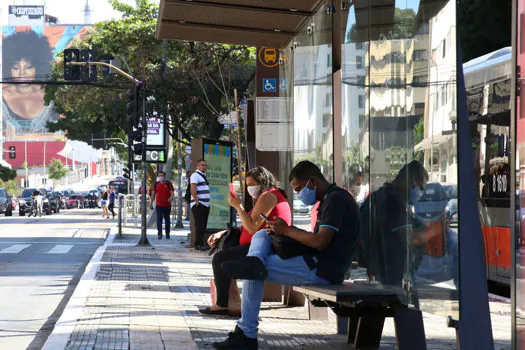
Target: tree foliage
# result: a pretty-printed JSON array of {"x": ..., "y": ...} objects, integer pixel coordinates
[
  {"x": 57, "y": 170},
  {"x": 196, "y": 81},
  {"x": 10, "y": 186},
  {"x": 483, "y": 26},
  {"x": 7, "y": 174}
]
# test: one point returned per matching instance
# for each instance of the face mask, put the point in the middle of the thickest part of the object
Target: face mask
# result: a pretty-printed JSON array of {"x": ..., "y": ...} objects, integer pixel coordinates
[
  {"x": 160, "y": 178},
  {"x": 356, "y": 190},
  {"x": 254, "y": 191},
  {"x": 415, "y": 194},
  {"x": 307, "y": 195}
]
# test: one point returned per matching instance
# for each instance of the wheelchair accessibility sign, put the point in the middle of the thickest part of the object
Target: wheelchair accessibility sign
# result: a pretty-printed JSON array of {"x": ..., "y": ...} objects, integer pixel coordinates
[{"x": 269, "y": 85}]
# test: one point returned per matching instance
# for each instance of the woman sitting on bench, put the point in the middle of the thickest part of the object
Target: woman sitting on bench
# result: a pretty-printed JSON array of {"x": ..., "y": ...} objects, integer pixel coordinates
[{"x": 270, "y": 201}]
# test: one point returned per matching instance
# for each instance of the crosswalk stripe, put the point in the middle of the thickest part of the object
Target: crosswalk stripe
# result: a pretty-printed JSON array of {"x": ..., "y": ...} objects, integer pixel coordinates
[
  {"x": 60, "y": 249},
  {"x": 14, "y": 249}
]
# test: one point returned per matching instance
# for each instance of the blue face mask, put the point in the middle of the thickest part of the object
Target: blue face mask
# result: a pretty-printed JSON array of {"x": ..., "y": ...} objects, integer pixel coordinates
[
  {"x": 415, "y": 195},
  {"x": 307, "y": 195}
]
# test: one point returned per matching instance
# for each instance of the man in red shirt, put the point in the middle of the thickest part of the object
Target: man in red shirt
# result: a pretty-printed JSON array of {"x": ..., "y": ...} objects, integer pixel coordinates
[{"x": 162, "y": 195}]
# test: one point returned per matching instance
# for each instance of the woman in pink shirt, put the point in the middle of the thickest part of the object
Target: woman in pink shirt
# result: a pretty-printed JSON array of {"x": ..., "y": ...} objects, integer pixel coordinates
[{"x": 270, "y": 201}]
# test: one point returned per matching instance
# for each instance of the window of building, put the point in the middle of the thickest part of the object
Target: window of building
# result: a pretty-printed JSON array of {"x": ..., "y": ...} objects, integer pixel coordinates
[
  {"x": 361, "y": 101},
  {"x": 359, "y": 62}
]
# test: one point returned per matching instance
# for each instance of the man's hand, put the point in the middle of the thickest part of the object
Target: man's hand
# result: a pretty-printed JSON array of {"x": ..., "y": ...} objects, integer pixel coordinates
[{"x": 278, "y": 226}]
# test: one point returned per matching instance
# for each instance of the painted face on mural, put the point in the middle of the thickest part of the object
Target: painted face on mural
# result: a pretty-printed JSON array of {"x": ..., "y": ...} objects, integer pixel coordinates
[{"x": 23, "y": 70}]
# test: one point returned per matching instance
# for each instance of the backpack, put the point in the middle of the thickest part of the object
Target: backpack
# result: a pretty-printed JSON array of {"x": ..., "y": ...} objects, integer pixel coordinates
[{"x": 187, "y": 195}]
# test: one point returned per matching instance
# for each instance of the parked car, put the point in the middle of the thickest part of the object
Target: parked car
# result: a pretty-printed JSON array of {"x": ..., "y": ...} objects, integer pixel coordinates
[
  {"x": 26, "y": 201},
  {"x": 75, "y": 201},
  {"x": 6, "y": 204}
]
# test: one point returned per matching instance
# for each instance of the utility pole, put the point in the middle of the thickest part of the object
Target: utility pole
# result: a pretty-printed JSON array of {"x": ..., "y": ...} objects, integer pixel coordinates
[
  {"x": 139, "y": 88},
  {"x": 179, "y": 224}
]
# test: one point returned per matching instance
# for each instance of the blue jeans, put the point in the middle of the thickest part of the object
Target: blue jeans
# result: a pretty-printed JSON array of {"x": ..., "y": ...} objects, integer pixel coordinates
[
  {"x": 163, "y": 212},
  {"x": 291, "y": 272}
]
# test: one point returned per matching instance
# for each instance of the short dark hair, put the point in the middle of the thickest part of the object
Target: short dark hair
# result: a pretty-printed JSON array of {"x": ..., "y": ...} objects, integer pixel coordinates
[
  {"x": 161, "y": 172},
  {"x": 30, "y": 46},
  {"x": 201, "y": 160},
  {"x": 412, "y": 172},
  {"x": 305, "y": 170}
]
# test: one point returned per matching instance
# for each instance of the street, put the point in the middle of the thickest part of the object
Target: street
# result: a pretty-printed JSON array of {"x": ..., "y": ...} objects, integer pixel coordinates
[{"x": 41, "y": 261}]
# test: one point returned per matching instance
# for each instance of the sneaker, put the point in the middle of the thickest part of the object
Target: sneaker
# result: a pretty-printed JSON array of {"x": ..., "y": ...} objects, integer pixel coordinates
[
  {"x": 245, "y": 268},
  {"x": 159, "y": 235},
  {"x": 203, "y": 247},
  {"x": 167, "y": 235},
  {"x": 237, "y": 340}
]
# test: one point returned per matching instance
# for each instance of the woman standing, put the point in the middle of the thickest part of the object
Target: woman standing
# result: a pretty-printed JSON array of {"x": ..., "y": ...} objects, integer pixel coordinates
[
  {"x": 270, "y": 201},
  {"x": 104, "y": 203}
]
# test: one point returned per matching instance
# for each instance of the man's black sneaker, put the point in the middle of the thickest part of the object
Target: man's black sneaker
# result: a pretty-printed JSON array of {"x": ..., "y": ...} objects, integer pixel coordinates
[
  {"x": 245, "y": 268},
  {"x": 159, "y": 235},
  {"x": 167, "y": 236},
  {"x": 202, "y": 247},
  {"x": 237, "y": 340}
]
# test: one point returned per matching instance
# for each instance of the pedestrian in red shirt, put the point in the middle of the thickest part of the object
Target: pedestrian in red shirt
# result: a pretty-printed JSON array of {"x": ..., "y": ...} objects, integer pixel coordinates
[{"x": 162, "y": 195}]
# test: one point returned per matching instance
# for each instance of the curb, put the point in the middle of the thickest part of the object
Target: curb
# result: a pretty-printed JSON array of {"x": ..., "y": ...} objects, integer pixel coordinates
[{"x": 65, "y": 325}]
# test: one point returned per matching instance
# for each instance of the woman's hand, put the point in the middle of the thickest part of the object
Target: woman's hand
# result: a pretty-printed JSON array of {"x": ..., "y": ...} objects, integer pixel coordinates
[
  {"x": 214, "y": 238},
  {"x": 235, "y": 202}
]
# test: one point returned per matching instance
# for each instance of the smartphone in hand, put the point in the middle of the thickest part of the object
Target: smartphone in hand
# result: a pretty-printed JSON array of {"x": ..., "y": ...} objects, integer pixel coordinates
[{"x": 232, "y": 190}]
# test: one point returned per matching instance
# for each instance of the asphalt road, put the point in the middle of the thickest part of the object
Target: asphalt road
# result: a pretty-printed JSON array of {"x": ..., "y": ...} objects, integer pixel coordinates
[{"x": 41, "y": 261}]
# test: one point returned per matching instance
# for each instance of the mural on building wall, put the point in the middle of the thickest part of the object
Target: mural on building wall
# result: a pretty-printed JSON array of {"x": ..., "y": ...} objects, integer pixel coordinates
[{"x": 27, "y": 56}]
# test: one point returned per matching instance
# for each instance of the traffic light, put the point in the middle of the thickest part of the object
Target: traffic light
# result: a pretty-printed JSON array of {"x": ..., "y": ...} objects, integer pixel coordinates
[
  {"x": 12, "y": 152},
  {"x": 71, "y": 72},
  {"x": 127, "y": 172},
  {"x": 137, "y": 148}
]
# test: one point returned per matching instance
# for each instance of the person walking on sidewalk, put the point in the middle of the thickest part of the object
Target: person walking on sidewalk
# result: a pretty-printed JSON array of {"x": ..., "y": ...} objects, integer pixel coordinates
[
  {"x": 200, "y": 205},
  {"x": 112, "y": 196},
  {"x": 104, "y": 203},
  {"x": 335, "y": 237},
  {"x": 162, "y": 195}
]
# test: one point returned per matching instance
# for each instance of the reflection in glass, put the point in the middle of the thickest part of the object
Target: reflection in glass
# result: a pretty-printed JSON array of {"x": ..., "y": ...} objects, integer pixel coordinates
[
  {"x": 313, "y": 115},
  {"x": 399, "y": 133}
]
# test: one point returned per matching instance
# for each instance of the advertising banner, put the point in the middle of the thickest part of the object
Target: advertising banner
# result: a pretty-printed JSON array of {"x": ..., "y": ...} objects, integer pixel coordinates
[
  {"x": 155, "y": 129},
  {"x": 26, "y": 15},
  {"x": 219, "y": 175}
]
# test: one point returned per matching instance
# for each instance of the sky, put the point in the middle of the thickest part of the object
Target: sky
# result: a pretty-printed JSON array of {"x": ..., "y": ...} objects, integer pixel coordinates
[{"x": 68, "y": 11}]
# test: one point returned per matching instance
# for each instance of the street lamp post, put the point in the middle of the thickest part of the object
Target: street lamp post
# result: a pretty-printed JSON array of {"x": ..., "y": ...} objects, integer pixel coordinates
[{"x": 25, "y": 159}]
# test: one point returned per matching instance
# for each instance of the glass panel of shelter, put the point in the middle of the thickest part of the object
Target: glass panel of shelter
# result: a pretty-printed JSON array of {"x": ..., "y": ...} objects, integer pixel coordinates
[{"x": 399, "y": 114}]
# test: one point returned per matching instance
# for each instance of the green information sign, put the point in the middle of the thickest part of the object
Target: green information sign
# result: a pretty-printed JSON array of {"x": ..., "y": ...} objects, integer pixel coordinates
[{"x": 219, "y": 174}]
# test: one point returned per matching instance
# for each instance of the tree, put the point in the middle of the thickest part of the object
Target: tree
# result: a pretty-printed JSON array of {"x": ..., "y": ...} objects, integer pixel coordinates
[
  {"x": 10, "y": 186},
  {"x": 7, "y": 174},
  {"x": 196, "y": 81},
  {"x": 483, "y": 26},
  {"x": 57, "y": 170}
]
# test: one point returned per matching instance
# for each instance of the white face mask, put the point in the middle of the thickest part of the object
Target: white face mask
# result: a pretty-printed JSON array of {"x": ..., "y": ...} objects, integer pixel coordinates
[
  {"x": 160, "y": 178},
  {"x": 254, "y": 191}
]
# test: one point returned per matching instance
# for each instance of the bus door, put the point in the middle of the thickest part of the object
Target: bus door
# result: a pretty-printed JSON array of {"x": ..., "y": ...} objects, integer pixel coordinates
[{"x": 493, "y": 173}]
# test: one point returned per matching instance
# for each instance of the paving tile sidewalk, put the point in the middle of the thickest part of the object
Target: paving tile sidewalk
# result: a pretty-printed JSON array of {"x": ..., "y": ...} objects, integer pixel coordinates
[{"x": 147, "y": 298}]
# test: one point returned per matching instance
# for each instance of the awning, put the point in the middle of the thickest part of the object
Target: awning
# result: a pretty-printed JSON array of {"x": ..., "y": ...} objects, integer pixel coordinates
[{"x": 269, "y": 23}]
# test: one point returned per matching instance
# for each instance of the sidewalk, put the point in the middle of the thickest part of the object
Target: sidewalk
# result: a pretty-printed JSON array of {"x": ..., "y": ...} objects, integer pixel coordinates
[{"x": 143, "y": 298}]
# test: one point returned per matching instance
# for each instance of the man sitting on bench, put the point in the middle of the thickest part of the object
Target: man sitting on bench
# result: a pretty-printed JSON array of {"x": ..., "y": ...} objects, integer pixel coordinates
[{"x": 334, "y": 239}]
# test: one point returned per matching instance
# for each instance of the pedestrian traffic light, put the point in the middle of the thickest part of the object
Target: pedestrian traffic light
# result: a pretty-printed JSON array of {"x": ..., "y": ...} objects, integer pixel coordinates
[
  {"x": 71, "y": 72},
  {"x": 88, "y": 73},
  {"x": 12, "y": 152},
  {"x": 131, "y": 107},
  {"x": 137, "y": 148}
]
